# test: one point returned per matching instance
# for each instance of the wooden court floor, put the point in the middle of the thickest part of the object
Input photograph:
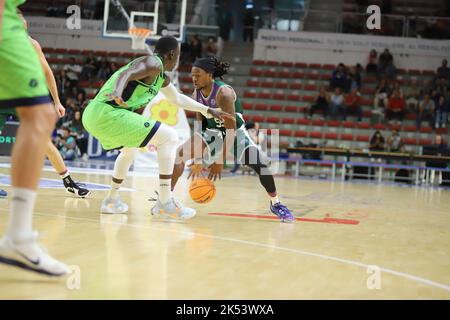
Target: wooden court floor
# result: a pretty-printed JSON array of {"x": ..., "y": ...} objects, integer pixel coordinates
[{"x": 351, "y": 241}]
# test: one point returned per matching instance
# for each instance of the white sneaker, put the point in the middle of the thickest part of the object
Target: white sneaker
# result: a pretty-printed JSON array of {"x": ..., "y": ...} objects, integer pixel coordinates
[
  {"x": 172, "y": 210},
  {"x": 29, "y": 255},
  {"x": 113, "y": 206}
]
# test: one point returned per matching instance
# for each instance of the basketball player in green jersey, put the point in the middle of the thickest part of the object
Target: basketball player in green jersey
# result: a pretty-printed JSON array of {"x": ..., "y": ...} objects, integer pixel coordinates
[
  {"x": 23, "y": 87},
  {"x": 52, "y": 152},
  {"x": 222, "y": 137},
  {"x": 114, "y": 118}
]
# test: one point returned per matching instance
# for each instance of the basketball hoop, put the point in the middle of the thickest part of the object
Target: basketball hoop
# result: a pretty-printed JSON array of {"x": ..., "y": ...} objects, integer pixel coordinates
[{"x": 138, "y": 37}]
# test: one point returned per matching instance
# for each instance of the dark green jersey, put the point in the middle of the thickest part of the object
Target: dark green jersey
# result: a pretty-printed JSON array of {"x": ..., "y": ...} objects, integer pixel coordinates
[
  {"x": 137, "y": 94},
  {"x": 211, "y": 102}
]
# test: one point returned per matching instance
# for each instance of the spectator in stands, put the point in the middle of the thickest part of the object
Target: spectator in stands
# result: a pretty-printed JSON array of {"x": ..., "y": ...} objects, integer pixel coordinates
[
  {"x": 322, "y": 102},
  {"x": 441, "y": 86},
  {"x": 427, "y": 87},
  {"x": 395, "y": 85},
  {"x": 355, "y": 77},
  {"x": 61, "y": 79},
  {"x": 104, "y": 69},
  {"x": 386, "y": 67},
  {"x": 248, "y": 23},
  {"x": 352, "y": 104},
  {"x": 380, "y": 102},
  {"x": 340, "y": 78},
  {"x": 89, "y": 69},
  {"x": 113, "y": 67},
  {"x": 426, "y": 111},
  {"x": 412, "y": 96},
  {"x": 372, "y": 65},
  {"x": 337, "y": 104},
  {"x": 211, "y": 47},
  {"x": 396, "y": 106},
  {"x": 443, "y": 71},
  {"x": 376, "y": 142},
  {"x": 196, "y": 48},
  {"x": 395, "y": 142},
  {"x": 440, "y": 144},
  {"x": 66, "y": 144},
  {"x": 442, "y": 109},
  {"x": 73, "y": 71}
]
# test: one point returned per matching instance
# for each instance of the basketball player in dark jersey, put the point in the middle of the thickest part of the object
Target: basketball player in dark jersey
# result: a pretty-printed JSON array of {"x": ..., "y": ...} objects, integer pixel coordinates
[{"x": 218, "y": 136}]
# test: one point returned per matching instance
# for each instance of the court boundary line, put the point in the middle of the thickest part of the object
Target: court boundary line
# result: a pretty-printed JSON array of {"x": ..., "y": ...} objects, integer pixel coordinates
[{"x": 401, "y": 274}]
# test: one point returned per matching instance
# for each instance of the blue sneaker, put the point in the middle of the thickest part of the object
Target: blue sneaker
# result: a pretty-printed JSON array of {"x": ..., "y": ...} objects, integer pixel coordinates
[
  {"x": 282, "y": 212},
  {"x": 3, "y": 193}
]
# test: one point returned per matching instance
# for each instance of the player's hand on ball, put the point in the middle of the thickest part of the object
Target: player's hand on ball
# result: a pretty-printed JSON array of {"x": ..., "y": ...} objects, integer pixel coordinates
[
  {"x": 215, "y": 171},
  {"x": 60, "y": 110},
  {"x": 219, "y": 114},
  {"x": 196, "y": 170}
]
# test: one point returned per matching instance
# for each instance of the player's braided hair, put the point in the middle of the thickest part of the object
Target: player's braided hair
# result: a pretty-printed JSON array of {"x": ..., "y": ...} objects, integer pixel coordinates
[
  {"x": 221, "y": 68},
  {"x": 212, "y": 65}
]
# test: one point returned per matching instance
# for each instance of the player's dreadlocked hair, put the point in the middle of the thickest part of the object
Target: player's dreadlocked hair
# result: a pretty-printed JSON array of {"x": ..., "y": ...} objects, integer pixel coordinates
[{"x": 212, "y": 65}]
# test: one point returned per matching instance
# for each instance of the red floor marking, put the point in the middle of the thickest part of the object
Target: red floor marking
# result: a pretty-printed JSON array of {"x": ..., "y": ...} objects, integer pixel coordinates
[{"x": 257, "y": 216}]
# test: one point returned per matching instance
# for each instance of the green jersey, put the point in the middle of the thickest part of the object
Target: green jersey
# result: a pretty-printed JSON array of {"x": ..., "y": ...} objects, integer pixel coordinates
[
  {"x": 137, "y": 94},
  {"x": 211, "y": 102}
]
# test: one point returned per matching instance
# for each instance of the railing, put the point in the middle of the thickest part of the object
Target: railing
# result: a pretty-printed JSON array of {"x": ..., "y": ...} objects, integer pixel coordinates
[{"x": 352, "y": 22}]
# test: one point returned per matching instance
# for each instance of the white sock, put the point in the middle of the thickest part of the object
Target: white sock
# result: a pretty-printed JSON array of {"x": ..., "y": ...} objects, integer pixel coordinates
[
  {"x": 164, "y": 190},
  {"x": 65, "y": 175},
  {"x": 274, "y": 200},
  {"x": 114, "y": 191},
  {"x": 21, "y": 213}
]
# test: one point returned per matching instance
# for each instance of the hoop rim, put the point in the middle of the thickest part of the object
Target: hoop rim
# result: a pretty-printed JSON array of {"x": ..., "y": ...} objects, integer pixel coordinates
[{"x": 139, "y": 32}]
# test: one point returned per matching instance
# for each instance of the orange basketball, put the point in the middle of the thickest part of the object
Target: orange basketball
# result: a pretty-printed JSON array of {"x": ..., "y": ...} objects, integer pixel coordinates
[{"x": 202, "y": 190}]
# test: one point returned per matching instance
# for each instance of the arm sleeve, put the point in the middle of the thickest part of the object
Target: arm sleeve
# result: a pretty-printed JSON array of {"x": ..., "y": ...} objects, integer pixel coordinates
[{"x": 183, "y": 101}]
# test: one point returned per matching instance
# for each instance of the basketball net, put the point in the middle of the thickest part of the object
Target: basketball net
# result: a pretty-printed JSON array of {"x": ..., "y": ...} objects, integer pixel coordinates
[{"x": 138, "y": 37}]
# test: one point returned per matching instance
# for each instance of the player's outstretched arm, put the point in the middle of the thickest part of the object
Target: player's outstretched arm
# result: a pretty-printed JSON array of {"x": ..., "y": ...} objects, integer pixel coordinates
[
  {"x": 51, "y": 82},
  {"x": 172, "y": 94},
  {"x": 142, "y": 68}
]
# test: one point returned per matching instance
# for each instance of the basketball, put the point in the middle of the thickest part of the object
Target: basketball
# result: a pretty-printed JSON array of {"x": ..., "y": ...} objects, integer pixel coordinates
[{"x": 202, "y": 190}]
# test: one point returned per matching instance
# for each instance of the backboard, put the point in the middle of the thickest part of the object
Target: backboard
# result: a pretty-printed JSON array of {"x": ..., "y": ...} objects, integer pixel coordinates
[{"x": 161, "y": 17}]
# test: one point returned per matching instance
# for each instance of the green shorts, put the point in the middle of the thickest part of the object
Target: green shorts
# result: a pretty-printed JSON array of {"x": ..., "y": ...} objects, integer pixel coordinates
[
  {"x": 22, "y": 79},
  {"x": 116, "y": 127}
]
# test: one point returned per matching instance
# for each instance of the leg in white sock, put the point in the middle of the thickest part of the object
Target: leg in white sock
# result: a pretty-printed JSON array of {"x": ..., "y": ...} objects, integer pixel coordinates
[
  {"x": 112, "y": 203},
  {"x": 121, "y": 167},
  {"x": 21, "y": 213},
  {"x": 166, "y": 141}
]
